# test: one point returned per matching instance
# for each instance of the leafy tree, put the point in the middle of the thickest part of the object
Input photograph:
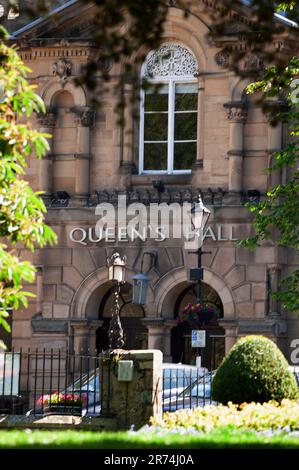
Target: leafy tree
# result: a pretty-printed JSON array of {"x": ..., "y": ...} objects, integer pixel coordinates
[
  {"x": 21, "y": 209},
  {"x": 277, "y": 216}
]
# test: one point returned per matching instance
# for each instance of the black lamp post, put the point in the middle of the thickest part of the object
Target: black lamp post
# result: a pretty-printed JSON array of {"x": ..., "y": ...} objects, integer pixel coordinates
[
  {"x": 199, "y": 217},
  {"x": 116, "y": 273}
]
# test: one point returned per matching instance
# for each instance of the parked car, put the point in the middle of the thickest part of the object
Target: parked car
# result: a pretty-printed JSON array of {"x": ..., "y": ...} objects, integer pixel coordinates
[
  {"x": 177, "y": 379},
  {"x": 86, "y": 387}
]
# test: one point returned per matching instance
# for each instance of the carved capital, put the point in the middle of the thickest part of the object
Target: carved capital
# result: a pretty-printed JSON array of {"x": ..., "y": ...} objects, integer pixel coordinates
[
  {"x": 47, "y": 119},
  {"x": 237, "y": 114},
  {"x": 253, "y": 63},
  {"x": 85, "y": 117}
]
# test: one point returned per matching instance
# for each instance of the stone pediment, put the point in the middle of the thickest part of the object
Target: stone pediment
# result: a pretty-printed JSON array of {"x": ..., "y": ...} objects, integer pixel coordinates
[{"x": 72, "y": 21}]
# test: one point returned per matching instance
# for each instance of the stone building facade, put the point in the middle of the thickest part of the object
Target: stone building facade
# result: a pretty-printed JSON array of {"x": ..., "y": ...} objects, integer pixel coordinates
[{"x": 223, "y": 154}]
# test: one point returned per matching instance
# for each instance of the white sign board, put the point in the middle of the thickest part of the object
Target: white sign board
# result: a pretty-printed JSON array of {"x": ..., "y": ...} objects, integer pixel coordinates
[
  {"x": 9, "y": 373},
  {"x": 198, "y": 339}
]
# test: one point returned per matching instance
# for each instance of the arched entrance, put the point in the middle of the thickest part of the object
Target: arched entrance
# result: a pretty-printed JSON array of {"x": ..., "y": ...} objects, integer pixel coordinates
[
  {"x": 135, "y": 333},
  {"x": 181, "y": 349}
]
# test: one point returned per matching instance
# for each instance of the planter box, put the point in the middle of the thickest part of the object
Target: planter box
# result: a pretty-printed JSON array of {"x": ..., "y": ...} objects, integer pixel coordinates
[{"x": 74, "y": 410}]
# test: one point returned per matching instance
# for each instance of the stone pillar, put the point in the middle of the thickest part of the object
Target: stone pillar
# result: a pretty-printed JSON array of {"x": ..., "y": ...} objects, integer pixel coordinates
[
  {"x": 85, "y": 120},
  {"x": 237, "y": 114},
  {"x": 39, "y": 289},
  {"x": 230, "y": 327},
  {"x": 92, "y": 335},
  {"x": 274, "y": 145},
  {"x": 155, "y": 329},
  {"x": 135, "y": 400},
  {"x": 46, "y": 126},
  {"x": 80, "y": 336},
  {"x": 273, "y": 285},
  {"x": 127, "y": 163},
  {"x": 169, "y": 324}
]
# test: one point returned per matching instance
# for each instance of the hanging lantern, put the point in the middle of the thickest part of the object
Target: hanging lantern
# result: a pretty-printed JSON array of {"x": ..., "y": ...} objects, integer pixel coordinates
[{"x": 140, "y": 286}]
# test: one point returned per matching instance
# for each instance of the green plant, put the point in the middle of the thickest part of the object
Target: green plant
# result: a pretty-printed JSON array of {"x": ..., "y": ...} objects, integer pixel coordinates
[
  {"x": 248, "y": 416},
  {"x": 21, "y": 209},
  {"x": 254, "y": 370}
]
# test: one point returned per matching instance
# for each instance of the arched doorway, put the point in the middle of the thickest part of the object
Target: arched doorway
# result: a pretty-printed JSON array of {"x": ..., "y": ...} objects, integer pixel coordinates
[
  {"x": 135, "y": 333},
  {"x": 181, "y": 349}
]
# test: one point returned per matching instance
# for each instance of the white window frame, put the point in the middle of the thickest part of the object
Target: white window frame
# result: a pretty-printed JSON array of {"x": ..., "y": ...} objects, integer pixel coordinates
[{"x": 171, "y": 82}]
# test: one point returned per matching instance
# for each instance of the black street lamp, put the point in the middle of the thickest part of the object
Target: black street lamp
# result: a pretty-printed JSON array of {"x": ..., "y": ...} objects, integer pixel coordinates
[
  {"x": 116, "y": 273},
  {"x": 199, "y": 217}
]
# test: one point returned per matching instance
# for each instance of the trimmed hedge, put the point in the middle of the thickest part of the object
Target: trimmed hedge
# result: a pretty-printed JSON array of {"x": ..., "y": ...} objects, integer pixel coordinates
[{"x": 255, "y": 370}]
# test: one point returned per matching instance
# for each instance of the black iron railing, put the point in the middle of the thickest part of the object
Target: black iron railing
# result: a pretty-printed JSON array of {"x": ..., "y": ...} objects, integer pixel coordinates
[
  {"x": 186, "y": 387},
  {"x": 40, "y": 381}
]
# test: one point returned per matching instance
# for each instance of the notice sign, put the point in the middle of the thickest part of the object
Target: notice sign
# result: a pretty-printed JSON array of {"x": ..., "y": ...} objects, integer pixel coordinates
[{"x": 198, "y": 339}]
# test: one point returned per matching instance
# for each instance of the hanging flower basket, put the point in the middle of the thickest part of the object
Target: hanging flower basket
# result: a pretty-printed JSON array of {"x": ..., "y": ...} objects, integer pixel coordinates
[{"x": 197, "y": 315}]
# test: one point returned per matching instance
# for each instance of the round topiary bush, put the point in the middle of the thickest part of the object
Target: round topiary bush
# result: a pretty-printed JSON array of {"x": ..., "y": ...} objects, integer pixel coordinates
[{"x": 254, "y": 370}]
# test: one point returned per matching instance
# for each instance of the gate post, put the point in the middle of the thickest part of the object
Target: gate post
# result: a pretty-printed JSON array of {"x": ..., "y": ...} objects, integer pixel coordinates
[{"x": 131, "y": 400}]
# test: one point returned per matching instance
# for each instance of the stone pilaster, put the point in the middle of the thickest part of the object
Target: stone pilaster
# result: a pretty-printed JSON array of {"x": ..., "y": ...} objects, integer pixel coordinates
[
  {"x": 127, "y": 165},
  {"x": 85, "y": 117},
  {"x": 46, "y": 122},
  {"x": 155, "y": 329},
  {"x": 230, "y": 327},
  {"x": 274, "y": 143},
  {"x": 169, "y": 324},
  {"x": 39, "y": 289},
  {"x": 237, "y": 115},
  {"x": 273, "y": 284}
]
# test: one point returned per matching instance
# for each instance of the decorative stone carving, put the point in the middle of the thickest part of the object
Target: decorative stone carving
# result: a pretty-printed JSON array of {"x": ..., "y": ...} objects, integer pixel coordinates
[
  {"x": 62, "y": 68},
  {"x": 237, "y": 114},
  {"x": 145, "y": 196},
  {"x": 47, "y": 119},
  {"x": 85, "y": 117},
  {"x": 222, "y": 59},
  {"x": 253, "y": 63},
  {"x": 171, "y": 60}
]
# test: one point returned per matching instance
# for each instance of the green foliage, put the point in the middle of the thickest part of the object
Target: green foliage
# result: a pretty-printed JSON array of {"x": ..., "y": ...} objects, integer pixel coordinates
[
  {"x": 21, "y": 209},
  {"x": 83, "y": 439},
  {"x": 277, "y": 216},
  {"x": 254, "y": 370},
  {"x": 254, "y": 416}
]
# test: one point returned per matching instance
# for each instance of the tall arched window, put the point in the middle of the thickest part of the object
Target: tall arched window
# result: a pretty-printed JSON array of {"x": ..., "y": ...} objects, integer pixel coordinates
[{"x": 168, "y": 124}]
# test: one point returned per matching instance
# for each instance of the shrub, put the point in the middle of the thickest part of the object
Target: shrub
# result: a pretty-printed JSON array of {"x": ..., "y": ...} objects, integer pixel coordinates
[
  {"x": 249, "y": 416},
  {"x": 254, "y": 370}
]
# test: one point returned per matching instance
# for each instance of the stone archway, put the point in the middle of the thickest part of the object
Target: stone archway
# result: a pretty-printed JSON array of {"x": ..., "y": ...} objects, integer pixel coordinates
[
  {"x": 181, "y": 348},
  {"x": 167, "y": 290},
  {"x": 84, "y": 310}
]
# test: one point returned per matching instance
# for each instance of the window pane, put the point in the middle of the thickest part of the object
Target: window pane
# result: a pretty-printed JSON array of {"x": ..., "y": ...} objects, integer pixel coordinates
[
  {"x": 155, "y": 157},
  {"x": 185, "y": 126},
  {"x": 156, "y": 98},
  {"x": 155, "y": 126},
  {"x": 186, "y": 96},
  {"x": 184, "y": 155}
]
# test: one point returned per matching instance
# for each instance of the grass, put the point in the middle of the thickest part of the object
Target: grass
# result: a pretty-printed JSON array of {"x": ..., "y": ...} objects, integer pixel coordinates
[{"x": 222, "y": 439}]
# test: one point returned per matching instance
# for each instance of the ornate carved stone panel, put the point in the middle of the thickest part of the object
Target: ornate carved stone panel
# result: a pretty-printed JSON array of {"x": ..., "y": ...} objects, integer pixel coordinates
[{"x": 171, "y": 60}]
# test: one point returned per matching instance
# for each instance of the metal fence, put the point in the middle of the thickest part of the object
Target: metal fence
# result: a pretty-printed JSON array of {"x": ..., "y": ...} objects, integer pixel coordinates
[
  {"x": 40, "y": 381},
  {"x": 186, "y": 387}
]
